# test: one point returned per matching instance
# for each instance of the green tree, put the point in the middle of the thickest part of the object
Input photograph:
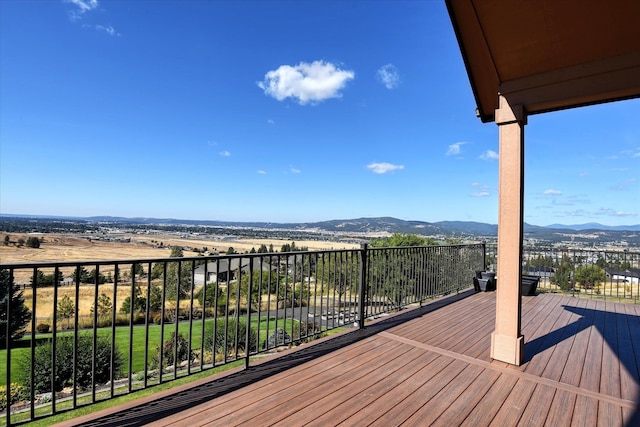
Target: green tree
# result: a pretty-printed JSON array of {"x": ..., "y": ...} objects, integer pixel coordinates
[
  {"x": 91, "y": 277},
  {"x": 397, "y": 273},
  {"x": 207, "y": 297},
  {"x": 178, "y": 283},
  {"x": 230, "y": 251},
  {"x": 40, "y": 276},
  {"x": 340, "y": 271},
  {"x": 157, "y": 271},
  {"x": 171, "y": 353},
  {"x": 263, "y": 249},
  {"x": 230, "y": 336},
  {"x": 20, "y": 314},
  {"x": 176, "y": 252},
  {"x": 563, "y": 274},
  {"x": 64, "y": 363},
  {"x": 401, "y": 240},
  {"x": 262, "y": 283},
  {"x": 104, "y": 305},
  {"x": 52, "y": 280},
  {"x": 291, "y": 247},
  {"x": 66, "y": 309},
  {"x": 137, "y": 270},
  {"x": 140, "y": 304},
  {"x": 33, "y": 242},
  {"x": 541, "y": 261},
  {"x": 81, "y": 275},
  {"x": 155, "y": 298},
  {"x": 7, "y": 240},
  {"x": 589, "y": 276}
]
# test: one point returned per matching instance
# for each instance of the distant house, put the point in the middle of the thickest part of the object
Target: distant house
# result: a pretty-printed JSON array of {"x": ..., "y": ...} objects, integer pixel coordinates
[
  {"x": 543, "y": 272},
  {"x": 224, "y": 270},
  {"x": 630, "y": 276}
]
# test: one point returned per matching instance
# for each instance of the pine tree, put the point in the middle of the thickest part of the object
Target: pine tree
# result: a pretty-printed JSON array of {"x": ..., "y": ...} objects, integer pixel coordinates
[{"x": 20, "y": 314}]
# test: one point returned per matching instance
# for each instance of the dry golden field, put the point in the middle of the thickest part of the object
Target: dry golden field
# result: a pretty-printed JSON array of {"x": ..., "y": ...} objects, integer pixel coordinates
[
  {"x": 63, "y": 247},
  {"x": 68, "y": 247}
]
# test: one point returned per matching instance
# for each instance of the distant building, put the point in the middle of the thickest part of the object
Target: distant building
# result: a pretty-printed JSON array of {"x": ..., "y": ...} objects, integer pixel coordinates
[
  {"x": 630, "y": 276},
  {"x": 542, "y": 272},
  {"x": 225, "y": 270}
]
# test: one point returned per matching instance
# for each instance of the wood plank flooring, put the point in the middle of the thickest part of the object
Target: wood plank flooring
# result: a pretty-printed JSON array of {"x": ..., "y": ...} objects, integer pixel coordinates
[{"x": 430, "y": 366}]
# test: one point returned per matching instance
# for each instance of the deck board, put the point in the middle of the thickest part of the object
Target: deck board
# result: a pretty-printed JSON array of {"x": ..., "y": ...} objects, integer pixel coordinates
[
  {"x": 490, "y": 403},
  {"x": 513, "y": 406},
  {"x": 430, "y": 366}
]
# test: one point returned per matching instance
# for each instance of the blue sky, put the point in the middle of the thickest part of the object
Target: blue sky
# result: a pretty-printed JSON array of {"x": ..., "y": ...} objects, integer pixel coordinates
[{"x": 279, "y": 111}]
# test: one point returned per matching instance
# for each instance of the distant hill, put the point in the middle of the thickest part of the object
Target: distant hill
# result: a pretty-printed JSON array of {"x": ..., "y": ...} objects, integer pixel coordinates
[{"x": 586, "y": 233}]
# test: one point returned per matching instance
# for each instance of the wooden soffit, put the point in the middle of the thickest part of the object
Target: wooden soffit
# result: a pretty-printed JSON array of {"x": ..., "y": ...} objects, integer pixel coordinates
[{"x": 548, "y": 54}]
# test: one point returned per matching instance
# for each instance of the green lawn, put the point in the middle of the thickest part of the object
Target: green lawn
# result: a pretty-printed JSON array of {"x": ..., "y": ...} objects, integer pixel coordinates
[{"x": 138, "y": 342}]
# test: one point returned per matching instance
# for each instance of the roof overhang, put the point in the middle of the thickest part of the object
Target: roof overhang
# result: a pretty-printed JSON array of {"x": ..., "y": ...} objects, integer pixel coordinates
[{"x": 548, "y": 55}]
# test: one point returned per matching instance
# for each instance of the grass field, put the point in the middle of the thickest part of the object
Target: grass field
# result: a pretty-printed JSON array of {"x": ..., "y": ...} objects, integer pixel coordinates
[{"x": 122, "y": 340}]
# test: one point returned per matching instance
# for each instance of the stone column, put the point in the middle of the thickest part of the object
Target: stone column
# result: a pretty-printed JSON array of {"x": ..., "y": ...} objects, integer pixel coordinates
[{"x": 507, "y": 342}]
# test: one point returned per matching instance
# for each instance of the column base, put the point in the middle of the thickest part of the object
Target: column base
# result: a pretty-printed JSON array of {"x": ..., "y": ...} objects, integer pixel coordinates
[{"x": 507, "y": 348}]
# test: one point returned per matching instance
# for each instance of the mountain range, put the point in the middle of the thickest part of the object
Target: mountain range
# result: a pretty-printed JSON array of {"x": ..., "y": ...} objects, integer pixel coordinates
[
  {"x": 364, "y": 225},
  {"x": 380, "y": 224}
]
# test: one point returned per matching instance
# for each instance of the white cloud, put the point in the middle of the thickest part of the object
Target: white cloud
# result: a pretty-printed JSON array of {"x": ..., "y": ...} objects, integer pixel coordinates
[
  {"x": 623, "y": 186},
  {"x": 271, "y": 122},
  {"x": 383, "y": 167},
  {"x": 388, "y": 75},
  {"x": 481, "y": 194},
  {"x": 634, "y": 153},
  {"x": 82, "y": 7},
  {"x": 225, "y": 153},
  {"x": 489, "y": 155},
  {"x": 619, "y": 213},
  {"x": 613, "y": 212},
  {"x": 483, "y": 190},
  {"x": 261, "y": 172},
  {"x": 306, "y": 82},
  {"x": 552, "y": 192},
  {"x": 454, "y": 149},
  {"x": 108, "y": 29},
  {"x": 575, "y": 213},
  {"x": 294, "y": 170}
]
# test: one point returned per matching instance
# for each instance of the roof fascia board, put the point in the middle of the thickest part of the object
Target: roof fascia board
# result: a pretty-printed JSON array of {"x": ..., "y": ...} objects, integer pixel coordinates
[
  {"x": 597, "y": 82},
  {"x": 475, "y": 55}
]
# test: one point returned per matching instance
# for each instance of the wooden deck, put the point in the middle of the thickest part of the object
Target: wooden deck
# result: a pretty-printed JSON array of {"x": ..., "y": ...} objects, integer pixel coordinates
[{"x": 429, "y": 366}]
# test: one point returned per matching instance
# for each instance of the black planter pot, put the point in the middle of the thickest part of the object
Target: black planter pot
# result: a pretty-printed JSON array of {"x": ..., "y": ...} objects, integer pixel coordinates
[
  {"x": 484, "y": 281},
  {"x": 529, "y": 284}
]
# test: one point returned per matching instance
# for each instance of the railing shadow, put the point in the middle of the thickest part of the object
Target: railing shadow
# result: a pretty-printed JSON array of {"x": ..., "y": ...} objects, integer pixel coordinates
[
  {"x": 624, "y": 343},
  {"x": 169, "y": 405}
]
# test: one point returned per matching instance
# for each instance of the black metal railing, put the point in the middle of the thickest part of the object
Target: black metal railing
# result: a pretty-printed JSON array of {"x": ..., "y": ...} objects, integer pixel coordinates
[
  {"x": 592, "y": 273},
  {"x": 100, "y": 329}
]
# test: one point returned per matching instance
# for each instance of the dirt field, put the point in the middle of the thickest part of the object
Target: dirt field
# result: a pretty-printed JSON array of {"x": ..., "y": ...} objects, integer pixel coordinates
[{"x": 61, "y": 247}]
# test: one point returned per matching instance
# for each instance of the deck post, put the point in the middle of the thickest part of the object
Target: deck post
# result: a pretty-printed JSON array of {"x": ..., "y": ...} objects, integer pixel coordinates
[
  {"x": 507, "y": 342},
  {"x": 362, "y": 286}
]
